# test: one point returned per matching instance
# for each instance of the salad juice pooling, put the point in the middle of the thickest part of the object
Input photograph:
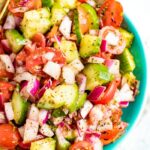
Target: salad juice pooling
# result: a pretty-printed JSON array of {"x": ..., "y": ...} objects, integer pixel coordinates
[{"x": 66, "y": 72}]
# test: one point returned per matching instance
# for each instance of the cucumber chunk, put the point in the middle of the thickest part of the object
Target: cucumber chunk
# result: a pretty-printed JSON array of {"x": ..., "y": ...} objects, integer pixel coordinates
[
  {"x": 35, "y": 21},
  {"x": 20, "y": 107},
  {"x": 15, "y": 39},
  {"x": 58, "y": 14},
  {"x": 47, "y": 3},
  {"x": 81, "y": 100},
  {"x": 77, "y": 27},
  {"x": 92, "y": 15},
  {"x": 89, "y": 45},
  {"x": 127, "y": 63},
  {"x": 127, "y": 36},
  {"x": 44, "y": 144},
  {"x": 69, "y": 49},
  {"x": 97, "y": 74},
  {"x": 62, "y": 95},
  {"x": 70, "y": 4}
]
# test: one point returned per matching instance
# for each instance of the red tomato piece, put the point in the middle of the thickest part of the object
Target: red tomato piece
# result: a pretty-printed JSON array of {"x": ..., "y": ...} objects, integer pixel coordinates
[
  {"x": 111, "y": 13},
  {"x": 9, "y": 136},
  {"x": 82, "y": 145},
  {"x": 39, "y": 39},
  {"x": 109, "y": 93}
]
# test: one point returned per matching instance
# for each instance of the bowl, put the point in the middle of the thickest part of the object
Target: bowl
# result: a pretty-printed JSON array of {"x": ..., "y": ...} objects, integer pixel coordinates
[{"x": 132, "y": 113}]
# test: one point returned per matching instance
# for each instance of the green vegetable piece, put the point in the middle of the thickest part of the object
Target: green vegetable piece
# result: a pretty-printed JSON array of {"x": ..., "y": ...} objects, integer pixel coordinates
[
  {"x": 20, "y": 107},
  {"x": 69, "y": 49},
  {"x": 35, "y": 21},
  {"x": 77, "y": 27},
  {"x": 62, "y": 95},
  {"x": 92, "y": 14},
  {"x": 58, "y": 14},
  {"x": 89, "y": 45},
  {"x": 47, "y": 3},
  {"x": 58, "y": 113},
  {"x": 70, "y": 4},
  {"x": 15, "y": 39},
  {"x": 81, "y": 100},
  {"x": 62, "y": 143},
  {"x": 44, "y": 144},
  {"x": 127, "y": 36},
  {"x": 127, "y": 63},
  {"x": 69, "y": 134},
  {"x": 97, "y": 74}
]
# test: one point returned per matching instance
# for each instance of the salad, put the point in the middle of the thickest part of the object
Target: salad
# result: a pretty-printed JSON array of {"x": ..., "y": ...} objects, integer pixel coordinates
[{"x": 66, "y": 72}]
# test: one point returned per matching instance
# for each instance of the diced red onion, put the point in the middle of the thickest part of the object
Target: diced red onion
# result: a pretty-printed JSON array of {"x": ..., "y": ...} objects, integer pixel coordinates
[
  {"x": 90, "y": 133},
  {"x": 58, "y": 39},
  {"x": 8, "y": 63},
  {"x": 124, "y": 104},
  {"x": 25, "y": 76},
  {"x": 44, "y": 88},
  {"x": 12, "y": 57},
  {"x": 6, "y": 45},
  {"x": 2, "y": 118},
  {"x": 109, "y": 62},
  {"x": 33, "y": 86},
  {"x": 96, "y": 93},
  {"x": 9, "y": 111},
  {"x": 33, "y": 113},
  {"x": 43, "y": 116},
  {"x": 9, "y": 23},
  {"x": 20, "y": 9},
  {"x": 103, "y": 45},
  {"x": 23, "y": 2},
  {"x": 21, "y": 131},
  {"x": 17, "y": 20},
  {"x": 1, "y": 102},
  {"x": 81, "y": 79}
]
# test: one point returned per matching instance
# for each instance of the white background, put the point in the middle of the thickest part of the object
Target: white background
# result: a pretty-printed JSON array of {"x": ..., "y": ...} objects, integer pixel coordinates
[{"x": 139, "y": 12}]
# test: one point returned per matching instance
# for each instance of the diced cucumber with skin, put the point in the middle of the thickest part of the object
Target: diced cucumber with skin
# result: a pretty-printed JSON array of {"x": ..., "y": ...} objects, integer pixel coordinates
[
  {"x": 127, "y": 63},
  {"x": 69, "y": 49},
  {"x": 92, "y": 15},
  {"x": 58, "y": 14},
  {"x": 77, "y": 27},
  {"x": 51, "y": 99},
  {"x": 15, "y": 39},
  {"x": 89, "y": 45},
  {"x": 47, "y": 3},
  {"x": 58, "y": 113},
  {"x": 127, "y": 36},
  {"x": 44, "y": 144},
  {"x": 81, "y": 100},
  {"x": 20, "y": 107},
  {"x": 62, "y": 95},
  {"x": 35, "y": 21},
  {"x": 70, "y": 4},
  {"x": 69, "y": 134},
  {"x": 97, "y": 74},
  {"x": 62, "y": 143}
]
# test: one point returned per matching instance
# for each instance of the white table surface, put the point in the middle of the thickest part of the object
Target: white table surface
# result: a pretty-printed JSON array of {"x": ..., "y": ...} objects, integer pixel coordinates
[{"x": 139, "y": 12}]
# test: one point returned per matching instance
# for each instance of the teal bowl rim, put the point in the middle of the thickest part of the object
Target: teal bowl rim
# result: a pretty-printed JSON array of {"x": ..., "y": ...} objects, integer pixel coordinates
[{"x": 144, "y": 93}]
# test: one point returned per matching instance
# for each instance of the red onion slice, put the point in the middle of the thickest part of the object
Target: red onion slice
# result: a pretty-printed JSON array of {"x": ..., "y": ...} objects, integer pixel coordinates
[
  {"x": 43, "y": 116},
  {"x": 95, "y": 95},
  {"x": 124, "y": 104},
  {"x": 103, "y": 45},
  {"x": 5, "y": 45},
  {"x": 81, "y": 80},
  {"x": 9, "y": 23}
]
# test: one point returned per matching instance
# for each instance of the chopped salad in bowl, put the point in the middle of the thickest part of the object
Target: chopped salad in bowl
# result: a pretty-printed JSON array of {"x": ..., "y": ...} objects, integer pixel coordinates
[{"x": 66, "y": 72}]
